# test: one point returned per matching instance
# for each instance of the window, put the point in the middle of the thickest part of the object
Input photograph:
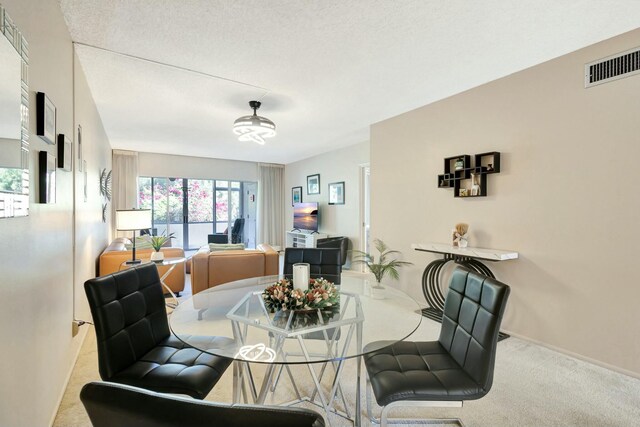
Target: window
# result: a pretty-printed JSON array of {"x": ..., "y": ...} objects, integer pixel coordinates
[{"x": 192, "y": 208}]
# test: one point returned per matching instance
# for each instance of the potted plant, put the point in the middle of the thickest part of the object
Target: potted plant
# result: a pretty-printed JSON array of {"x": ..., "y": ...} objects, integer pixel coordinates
[
  {"x": 387, "y": 263},
  {"x": 157, "y": 242}
]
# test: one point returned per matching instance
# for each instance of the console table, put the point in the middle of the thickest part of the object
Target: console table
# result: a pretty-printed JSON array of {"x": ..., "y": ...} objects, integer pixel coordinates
[{"x": 469, "y": 257}]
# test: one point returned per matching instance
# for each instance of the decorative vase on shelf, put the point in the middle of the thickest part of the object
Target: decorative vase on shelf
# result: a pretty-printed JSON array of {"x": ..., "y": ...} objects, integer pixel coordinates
[
  {"x": 459, "y": 164},
  {"x": 157, "y": 256}
]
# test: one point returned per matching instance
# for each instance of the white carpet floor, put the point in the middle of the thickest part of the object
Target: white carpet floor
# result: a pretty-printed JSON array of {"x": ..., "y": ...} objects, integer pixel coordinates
[{"x": 533, "y": 386}]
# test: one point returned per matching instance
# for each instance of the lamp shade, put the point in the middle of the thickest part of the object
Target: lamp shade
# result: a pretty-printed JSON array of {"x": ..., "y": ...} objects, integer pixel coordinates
[{"x": 133, "y": 219}]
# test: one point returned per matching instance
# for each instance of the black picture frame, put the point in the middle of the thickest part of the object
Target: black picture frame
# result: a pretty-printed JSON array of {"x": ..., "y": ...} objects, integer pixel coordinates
[
  {"x": 65, "y": 153},
  {"x": 45, "y": 118},
  {"x": 336, "y": 193},
  {"x": 296, "y": 195},
  {"x": 313, "y": 184},
  {"x": 46, "y": 177}
]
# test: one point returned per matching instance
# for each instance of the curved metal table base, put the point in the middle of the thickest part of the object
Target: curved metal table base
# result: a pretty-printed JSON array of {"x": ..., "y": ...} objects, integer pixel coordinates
[{"x": 432, "y": 287}]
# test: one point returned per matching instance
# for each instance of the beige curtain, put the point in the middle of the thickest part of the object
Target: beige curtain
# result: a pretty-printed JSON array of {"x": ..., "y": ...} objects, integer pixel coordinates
[
  {"x": 271, "y": 204},
  {"x": 125, "y": 182}
]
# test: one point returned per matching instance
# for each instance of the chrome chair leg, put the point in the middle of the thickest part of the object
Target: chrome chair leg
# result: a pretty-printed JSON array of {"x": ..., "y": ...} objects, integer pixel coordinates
[{"x": 372, "y": 419}]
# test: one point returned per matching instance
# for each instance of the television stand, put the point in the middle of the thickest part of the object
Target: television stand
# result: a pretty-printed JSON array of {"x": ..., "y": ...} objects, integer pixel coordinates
[
  {"x": 303, "y": 240},
  {"x": 296, "y": 229}
]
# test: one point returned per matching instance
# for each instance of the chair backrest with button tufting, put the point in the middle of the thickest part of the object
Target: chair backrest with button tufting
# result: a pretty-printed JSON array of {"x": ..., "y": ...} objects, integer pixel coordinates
[
  {"x": 323, "y": 262},
  {"x": 129, "y": 314},
  {"x": 473, "y": 311}
]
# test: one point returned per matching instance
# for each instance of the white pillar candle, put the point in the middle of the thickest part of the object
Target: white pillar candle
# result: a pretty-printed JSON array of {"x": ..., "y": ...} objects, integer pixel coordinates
[{"x": 301, "y": 275}]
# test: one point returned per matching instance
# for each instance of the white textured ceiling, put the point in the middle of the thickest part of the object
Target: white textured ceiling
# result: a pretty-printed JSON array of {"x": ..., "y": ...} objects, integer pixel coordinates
[{"x": 325, "y": 70}]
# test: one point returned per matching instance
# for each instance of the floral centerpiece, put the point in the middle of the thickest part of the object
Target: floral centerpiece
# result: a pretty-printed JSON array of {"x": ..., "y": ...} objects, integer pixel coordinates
[{"x": 321, "y": 294}]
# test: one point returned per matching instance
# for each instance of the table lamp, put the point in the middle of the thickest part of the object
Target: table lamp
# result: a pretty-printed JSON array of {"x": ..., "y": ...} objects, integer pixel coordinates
[{"x": 132, "y": 220}]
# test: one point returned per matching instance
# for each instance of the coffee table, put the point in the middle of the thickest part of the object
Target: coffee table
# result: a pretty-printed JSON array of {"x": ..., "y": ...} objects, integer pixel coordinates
[
  {"x": 320, "y": 341},
  {"x": 171, "y": 262}
]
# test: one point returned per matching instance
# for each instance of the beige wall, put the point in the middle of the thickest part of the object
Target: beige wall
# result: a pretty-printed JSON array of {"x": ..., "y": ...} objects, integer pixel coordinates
[
  {"x": 152, "y": 164},
  {"x": 336, "y": 166},
  {"x": 566, "y": 199},
  {"x": 91, "y": 234},
  {"x": 36, "y": 257}
]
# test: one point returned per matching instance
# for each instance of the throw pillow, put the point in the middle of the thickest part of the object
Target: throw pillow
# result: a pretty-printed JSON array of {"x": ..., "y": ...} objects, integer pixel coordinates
[
  {"x": 141, "y": 243},
  {"x": 226, "y": 247}
]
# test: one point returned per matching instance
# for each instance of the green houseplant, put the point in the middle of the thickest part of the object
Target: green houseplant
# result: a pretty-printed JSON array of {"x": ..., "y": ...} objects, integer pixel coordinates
[
  {"x": 157, "y": 242},
  {"x": 386, "y": 262}
]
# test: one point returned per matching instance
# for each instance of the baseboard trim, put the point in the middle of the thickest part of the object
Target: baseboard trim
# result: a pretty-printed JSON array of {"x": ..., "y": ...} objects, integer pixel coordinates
[
  {"x": 577, "y": 356},
  {"x": 82, "y": 335}
]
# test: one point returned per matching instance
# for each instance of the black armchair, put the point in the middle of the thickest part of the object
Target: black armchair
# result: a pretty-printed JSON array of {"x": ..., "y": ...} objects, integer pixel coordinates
[
  {"x": 115, "y": 405},
  {"x": 323, "y": 262},
  {"x": 341, "y": 243},
  {"x": 237, "y": 230},
  {"x": 457, "y": 367},
  {"x": 135, "y": 346}
]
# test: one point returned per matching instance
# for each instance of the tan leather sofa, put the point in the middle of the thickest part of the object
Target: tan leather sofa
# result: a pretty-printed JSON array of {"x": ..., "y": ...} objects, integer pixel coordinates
[
  {"x": 115, "y": 254},
  {"x": 209, "y": 269}
]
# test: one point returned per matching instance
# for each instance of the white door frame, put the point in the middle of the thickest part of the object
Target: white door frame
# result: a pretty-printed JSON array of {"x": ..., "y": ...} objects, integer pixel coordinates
[{"x": 365, "y": 209}]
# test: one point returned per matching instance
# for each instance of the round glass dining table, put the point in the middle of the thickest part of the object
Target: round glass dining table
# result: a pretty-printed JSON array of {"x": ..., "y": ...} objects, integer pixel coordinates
[
  {"x": 365, "y": 314},
  {"x": 235, "y": 310}
]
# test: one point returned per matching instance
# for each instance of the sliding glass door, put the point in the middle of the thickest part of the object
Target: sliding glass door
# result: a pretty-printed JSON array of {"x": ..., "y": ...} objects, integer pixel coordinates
[
  {"x": 165, "y": 197},
  {"x": 200, "y": 211},
  {"x": 194, "y": 208}
]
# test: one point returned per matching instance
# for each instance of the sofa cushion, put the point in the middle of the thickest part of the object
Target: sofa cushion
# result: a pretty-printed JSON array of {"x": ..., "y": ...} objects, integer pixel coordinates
[
  {"x": 114, "y": 256},
  {"x": 226, "y": 247},
  {"x": 141, "y": 243},
  {"x": 209, "y": 269}
]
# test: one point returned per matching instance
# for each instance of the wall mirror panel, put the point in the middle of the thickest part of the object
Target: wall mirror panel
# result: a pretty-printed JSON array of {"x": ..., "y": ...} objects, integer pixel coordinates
[{"x": 14, "y": 120}]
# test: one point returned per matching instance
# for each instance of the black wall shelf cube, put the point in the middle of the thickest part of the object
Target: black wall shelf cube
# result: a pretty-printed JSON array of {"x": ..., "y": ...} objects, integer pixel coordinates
[{"x": 471, "y": 179}]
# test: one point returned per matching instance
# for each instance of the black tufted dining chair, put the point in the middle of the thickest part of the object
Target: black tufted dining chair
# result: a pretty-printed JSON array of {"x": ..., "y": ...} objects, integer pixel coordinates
[
  {"x": 135, "y": 345},
  {"x": 341, "y": 243},
  {"x": 457, "y": 367},
  {"x": 323, "y": 262},
  {"x": 116, "y": 405}
]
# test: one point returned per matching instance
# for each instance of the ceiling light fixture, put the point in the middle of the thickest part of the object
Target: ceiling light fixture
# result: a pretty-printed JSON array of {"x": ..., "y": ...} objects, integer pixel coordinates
[{"x": 254, "y": 128}]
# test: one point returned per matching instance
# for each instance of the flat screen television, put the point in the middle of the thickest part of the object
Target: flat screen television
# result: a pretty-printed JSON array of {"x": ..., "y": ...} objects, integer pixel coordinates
[{"x": 305, "y": 216}]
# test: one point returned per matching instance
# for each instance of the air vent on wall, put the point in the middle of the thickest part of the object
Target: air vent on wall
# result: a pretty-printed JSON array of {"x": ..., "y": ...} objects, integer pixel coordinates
[{"x": 614, "y": 67}]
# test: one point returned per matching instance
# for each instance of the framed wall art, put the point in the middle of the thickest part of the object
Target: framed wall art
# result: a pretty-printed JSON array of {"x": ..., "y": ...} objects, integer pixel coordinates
[
  {"x": 46, "y": 177},
  {"x": 65, "y": 156},
  {"x": 45, "y": 118},
  {"x": 313, "y": 184},
  {"x": 336, "y": 193},
  {"x": 296, "y": 195}
]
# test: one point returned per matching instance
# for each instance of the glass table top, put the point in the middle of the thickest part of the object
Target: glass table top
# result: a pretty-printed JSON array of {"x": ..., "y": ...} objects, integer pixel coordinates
[{"x": 236, "y": 311}]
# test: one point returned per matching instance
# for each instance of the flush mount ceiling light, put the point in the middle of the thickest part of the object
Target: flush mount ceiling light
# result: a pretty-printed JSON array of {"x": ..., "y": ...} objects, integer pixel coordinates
[{"x": 254, "y": 128}]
